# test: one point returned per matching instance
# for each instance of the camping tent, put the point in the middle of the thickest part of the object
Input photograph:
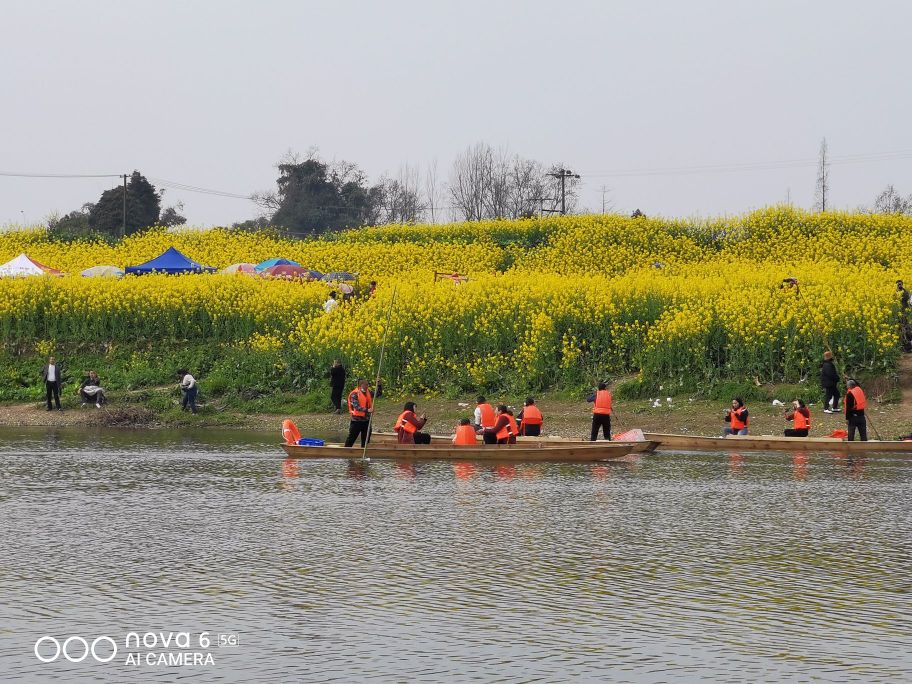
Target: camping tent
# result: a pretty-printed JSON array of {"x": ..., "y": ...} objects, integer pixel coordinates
[
  {"x": 170, "y": 262},
  {"x": 103, "y": 272},
  {"x": 23, "y": 265}
]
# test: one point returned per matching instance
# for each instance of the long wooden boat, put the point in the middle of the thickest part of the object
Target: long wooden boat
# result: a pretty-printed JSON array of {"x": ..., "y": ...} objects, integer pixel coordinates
[
  {"x": 536, "y": 452},
  {"x": 635, "y": 447},
  {"x": 774, "y": 443}
]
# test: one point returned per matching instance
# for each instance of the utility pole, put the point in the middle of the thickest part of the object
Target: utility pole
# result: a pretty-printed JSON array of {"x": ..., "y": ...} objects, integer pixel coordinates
[
  {"x": 564, "y": 174},
  {"x": 823, "y": 176},
  {"x": 604, "y": 191},
  {"x": 123, "y": 228}
]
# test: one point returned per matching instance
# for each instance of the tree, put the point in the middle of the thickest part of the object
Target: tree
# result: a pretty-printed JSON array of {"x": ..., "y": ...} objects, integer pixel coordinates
[
  {"x": 400, "y": 198},
  {"x": 143, "y": 208},
  {"x": 891, "y": 202},
  {"x": 822, "y": 194},
  {"x": 171, "y": 216},
  {"x": 314, "y": 197},
  {"x": 71, "y": 226}
]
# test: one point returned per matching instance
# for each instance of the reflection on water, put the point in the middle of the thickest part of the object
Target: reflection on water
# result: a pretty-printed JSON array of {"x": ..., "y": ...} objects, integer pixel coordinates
[{"x": 726, "y": 567}]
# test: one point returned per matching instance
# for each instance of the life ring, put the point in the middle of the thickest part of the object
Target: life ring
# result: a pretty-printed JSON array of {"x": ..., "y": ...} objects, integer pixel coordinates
[{"x": 290, "y": 432}]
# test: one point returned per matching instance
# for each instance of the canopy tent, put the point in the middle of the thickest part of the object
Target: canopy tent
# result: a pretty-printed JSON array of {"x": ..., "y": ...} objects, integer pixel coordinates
[
  {"x": 290, "y": 272},
  {"x": 24, "y": 265},
  {"x": 339, "y": 276},
  {"x": 263, "y": 265},
  {"x": 170, "y": 262},
  {"x": 234, "y": 269},
  {"x": 103, "y": 272}
]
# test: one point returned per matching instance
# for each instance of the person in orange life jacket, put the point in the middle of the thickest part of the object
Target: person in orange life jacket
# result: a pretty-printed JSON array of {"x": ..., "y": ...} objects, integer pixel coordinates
[
  {"x": 737, "y": 418},
  {"x": 530, "y": 419},
  {"x": 802, "y": 418},
  {"x": 855, "y": 404},
  {"x": 504, "y": 429},
  {"x": 465, "y": 434},
  {"x": 408, "y": 425},
  {"x": 601, "y": 411},
  {"x": 484, "y": 414},
  {"x": 360, "y": 406}
]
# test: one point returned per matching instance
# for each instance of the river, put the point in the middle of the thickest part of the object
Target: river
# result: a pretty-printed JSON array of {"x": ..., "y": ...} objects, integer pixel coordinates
[{"x": 674, "y": 567}]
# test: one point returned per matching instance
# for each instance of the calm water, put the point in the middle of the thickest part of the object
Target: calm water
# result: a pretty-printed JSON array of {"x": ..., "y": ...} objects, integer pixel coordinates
[{"x": 672, "y": 568}]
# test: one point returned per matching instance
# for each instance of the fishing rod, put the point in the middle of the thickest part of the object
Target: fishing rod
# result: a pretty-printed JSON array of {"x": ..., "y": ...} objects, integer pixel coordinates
[
  {"x": 370, "y": 419},
  {"x": 792, "y": 282}
]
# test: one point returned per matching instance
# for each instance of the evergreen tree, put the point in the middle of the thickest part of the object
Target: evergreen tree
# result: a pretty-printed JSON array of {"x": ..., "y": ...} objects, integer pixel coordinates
[{"x": 143, "y": 207}]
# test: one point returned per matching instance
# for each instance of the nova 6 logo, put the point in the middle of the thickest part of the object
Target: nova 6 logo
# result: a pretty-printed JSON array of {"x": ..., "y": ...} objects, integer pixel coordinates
[{"x": 160, "y": 648}]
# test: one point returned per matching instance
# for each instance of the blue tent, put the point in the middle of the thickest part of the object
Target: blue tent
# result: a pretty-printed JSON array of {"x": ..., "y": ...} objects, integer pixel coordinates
[
  {"x": 263, "y": 265},
  {"x": 170, "y": 262}
]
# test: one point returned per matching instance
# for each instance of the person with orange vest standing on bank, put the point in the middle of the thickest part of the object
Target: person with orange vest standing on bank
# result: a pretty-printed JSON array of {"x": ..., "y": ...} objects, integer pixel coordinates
[
  {"x": 601, "y": 411},
  {"x": 855, "y": 404},
  {"x": 465, "y": 434},
  {"x": 737, "y": 418},
  {"x": 530, "y": 419},
  {"x": 504, "y": 430},
  {"x": 408, "y": 424},
  {"x": 360, "y": 406},
  {"x": 801, "y": 416}
]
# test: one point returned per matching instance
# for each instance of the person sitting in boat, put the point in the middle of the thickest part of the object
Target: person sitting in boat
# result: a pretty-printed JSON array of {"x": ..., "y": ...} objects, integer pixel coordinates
[
  {"x": 530, "y": 419},
  {"x": 737, "y": 418},
  {"x": 504, "y": 430},
  {"x": 409, "y": 424},
  {"x": 465, "y": 434},
  {"x": 801, "y": 416},
  {"x": 91, "y": 391},
  {"x": 484, "y": 414}
]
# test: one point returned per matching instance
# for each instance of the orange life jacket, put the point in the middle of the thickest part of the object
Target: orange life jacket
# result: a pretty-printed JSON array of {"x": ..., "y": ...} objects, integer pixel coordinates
[
  {"x": 801, "y": 422},
  {"x": 509, "y": 429},
  {"x": 403, "y": 424},
  {"x": 514, "y": 428},
  {"x": 602, "y": 403},
  {"x": 487, "y": 415},
  {"x": 736, "y": 422},
  {"x": 532, "y": 416},
  {"x": 860, "y": 401},
  {"x": 465, "y": 436},
  {"x": 290, "y": 432},
  {"x": 364, "y": 399}
]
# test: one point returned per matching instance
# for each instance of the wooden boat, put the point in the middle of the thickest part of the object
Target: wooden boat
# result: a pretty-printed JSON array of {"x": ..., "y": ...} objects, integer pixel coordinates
[
  {"x": 528, "y": 452},
  {"x": 775, "y": 443},
  {"x": 635, "y": 447}
]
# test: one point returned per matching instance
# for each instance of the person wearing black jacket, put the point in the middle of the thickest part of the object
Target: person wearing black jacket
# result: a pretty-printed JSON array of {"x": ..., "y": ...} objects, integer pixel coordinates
[
  {"x": 855, "y": 402},
  {"x": 337, "y": 384},
  {"x": 51, "y": 375},
  {"x": 829, "y": 381}
]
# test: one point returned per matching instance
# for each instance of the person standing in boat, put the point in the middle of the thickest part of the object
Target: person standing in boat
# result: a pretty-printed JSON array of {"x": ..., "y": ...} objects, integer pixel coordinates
[
  {"x": 601, "y": 412},
  {"x": 801, "y": 416},
  {"x": 737, "y": 418},
  {"x": 829, "y": 381},
  {"x": 360, "y": 407},
  {"x": 530, "y": 419},
  {"x": 337, "y": 384},
  {"x": 855, "y": 403},
  {"x": 485, "y": 417},
  {"x": 504, "y": 429},
  {"x": 409, "y": 424}
]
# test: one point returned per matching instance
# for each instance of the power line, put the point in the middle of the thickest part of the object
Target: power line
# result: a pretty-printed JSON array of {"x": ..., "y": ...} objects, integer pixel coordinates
[{"x": 60, "y": 175}]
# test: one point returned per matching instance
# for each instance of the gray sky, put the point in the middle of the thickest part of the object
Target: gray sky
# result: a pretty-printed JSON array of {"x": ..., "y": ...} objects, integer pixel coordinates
[{"x": 213, "y": 93}]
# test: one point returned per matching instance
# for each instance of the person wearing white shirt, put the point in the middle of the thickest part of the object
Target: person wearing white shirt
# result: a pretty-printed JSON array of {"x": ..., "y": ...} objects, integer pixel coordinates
[
  {"x": 189, "y": 388},
  {"x": 51, "y": 376},
  {"x": 330, "y": 303}
]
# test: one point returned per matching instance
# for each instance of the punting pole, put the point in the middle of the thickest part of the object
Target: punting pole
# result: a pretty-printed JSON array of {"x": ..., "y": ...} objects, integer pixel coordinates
[{"x": 370, "y": 420}]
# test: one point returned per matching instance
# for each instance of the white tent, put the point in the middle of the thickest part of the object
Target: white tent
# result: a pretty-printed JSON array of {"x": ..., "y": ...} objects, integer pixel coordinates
[{"x": 22, "y": 265}]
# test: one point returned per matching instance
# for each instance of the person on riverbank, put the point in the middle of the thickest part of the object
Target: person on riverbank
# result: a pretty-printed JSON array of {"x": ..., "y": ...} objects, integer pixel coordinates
[
  {"x": 91, "y": 391},
  {"x": 465, "y": 434},
  {"x": 530, "y": 419},
  {"x": 905, "y": 330},
  {"x": 829, "y": 382},
  {"x": 504, "y": 429},
  {"x": 408, "y": 426},
  {"x": 189, "y": 388},
  {"x": 484, "y": 414},
  {"x": 601, "y": 412},
  {"x": 360, "y": 407},
  {"x": 51, "y": 374},
  {"x": 336, "y": 384},
  {"x": 800, "y": 415},
  {"x": 855, "y": 403},
  {"x": 330, "y": 303},
  {"x": 737, "y": 418}
]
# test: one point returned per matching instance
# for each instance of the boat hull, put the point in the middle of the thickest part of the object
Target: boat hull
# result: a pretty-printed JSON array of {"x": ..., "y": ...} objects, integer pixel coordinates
[
  {"x": 525, "y": 453},
  {"x": 774, "y": 443},
  {"x": 635, "y": 447}
]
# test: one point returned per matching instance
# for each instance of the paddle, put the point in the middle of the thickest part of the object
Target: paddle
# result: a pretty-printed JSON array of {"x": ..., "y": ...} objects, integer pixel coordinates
[
  {"x": 793, "y": 283},
  {"x": 370, "y": 418}
]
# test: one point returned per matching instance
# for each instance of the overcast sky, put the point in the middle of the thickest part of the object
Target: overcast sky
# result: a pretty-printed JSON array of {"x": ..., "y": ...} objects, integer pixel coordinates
[{"x": 213, "y": 93}]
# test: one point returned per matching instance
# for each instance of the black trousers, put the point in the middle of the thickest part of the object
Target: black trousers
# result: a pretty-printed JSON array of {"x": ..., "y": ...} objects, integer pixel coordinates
[
  {"x": 355, "y": 429},
  {"x": 859, "y": 423},
  {"x": 531, "y": 430},
  {"x": 53, "y": 391},
  {"x": 336, "y": 397},
  {"x": 828, "y": 394},
  {"x": 792, "y": 432},
  {"x": 489, "y": 438},
  {"x": 603, "y": 421}
]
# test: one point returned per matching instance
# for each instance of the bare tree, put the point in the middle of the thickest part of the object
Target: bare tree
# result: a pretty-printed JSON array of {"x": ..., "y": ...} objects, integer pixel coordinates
[
  {"x": 400, "y": 198},
  {"x": 822, "y": 194},
  {"x": 467, "y": 182},
  {"x": 432, "y": 191},
  {"x": 891, "y": 202}
]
